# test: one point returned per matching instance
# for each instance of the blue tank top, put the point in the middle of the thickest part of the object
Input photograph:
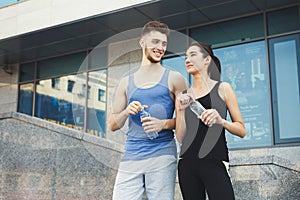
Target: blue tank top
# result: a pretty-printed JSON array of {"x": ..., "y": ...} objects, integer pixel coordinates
[{"x": 161, "y": 106}]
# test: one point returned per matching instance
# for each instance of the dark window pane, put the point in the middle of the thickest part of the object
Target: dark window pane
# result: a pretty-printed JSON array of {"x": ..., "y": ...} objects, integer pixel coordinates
[
  {"x": 62, "y": 65},
  {"x": 283, "y": 20},
  {"x": 96, "y": 116},
  {"x": 230, "y": 32},
  {"x": 27, "y": 72},
  {"x": 25, "y": 98},
  {"x": 177, "y": 42},
  {"x": 285, "y": 61},
  {"x": 101, "y": 95},
  {"x": 98, "y": 57},
  {"x": 70, "y": 86},
  {"x": 244, "y": 67},
  {"x": 55, "y": 83}
]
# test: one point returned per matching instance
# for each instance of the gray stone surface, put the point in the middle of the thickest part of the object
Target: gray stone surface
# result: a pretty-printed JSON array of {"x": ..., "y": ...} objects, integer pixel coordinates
[{"x": 40, "y": 161}]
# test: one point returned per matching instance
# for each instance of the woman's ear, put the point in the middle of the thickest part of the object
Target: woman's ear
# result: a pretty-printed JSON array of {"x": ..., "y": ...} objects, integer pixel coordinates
[{"x": 207, "y": 60}]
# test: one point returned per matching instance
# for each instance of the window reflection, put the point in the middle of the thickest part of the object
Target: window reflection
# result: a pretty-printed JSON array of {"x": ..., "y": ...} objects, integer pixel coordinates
[
  {"x": 284, "y": 61},
  {"x": 55, "y": 83},
  {"x": 70, "y": 86},
  {"x": 8, "y": 2},
  {"x": 26, "y": 98},
  {"x": 244, "y": 67},
  {"x": 176, "y": 63},
  {"x": 55, "y": 103},
  {"x": 96, "y": 107}
]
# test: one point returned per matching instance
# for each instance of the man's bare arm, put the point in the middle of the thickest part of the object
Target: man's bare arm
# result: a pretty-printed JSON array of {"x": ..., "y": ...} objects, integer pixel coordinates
[{"x": 119, "y": 113}]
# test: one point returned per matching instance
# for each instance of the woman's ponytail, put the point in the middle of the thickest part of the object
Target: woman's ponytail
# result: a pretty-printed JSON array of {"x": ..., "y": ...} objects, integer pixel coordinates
[{"x": 214, "y": 69}]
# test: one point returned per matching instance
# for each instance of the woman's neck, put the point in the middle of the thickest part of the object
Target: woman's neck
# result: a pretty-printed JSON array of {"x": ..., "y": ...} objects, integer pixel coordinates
[
  {"x": 202, "y": 85},
  {"x": 201, "y": 81}
]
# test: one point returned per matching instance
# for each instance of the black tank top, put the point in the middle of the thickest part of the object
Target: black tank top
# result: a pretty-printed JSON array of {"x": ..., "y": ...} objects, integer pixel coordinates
[{"x": 203, "y": 142}]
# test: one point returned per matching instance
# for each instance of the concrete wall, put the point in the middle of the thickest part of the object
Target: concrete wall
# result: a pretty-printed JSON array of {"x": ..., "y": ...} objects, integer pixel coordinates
[
  {"x": 17, "y": 18},
  {"x": 8, "y": 89},
  {"x": 42, "y": 160}
]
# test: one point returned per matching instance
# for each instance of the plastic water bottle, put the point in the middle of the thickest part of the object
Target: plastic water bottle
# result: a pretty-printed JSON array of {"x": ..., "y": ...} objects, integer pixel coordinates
[
  {"x": 197, "y": 108},
  {"x": 144, "y": 114}
]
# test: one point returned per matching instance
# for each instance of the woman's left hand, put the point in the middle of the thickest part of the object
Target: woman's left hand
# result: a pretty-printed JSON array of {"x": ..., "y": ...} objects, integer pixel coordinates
[{"x": 211, "y": 116}]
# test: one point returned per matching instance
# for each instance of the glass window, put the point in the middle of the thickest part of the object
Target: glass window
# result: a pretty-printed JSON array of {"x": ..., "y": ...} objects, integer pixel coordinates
[
  {"x": 101, "y": 95},
  {"x": 55, "y": 83},
  {"x": 8, "y": 2},
  {"x": 176, "y": 63},
  {"x": 284, "y": 62},
  {"x": 62, "y": 65},
  {"x": 98, "y": 57},
  {"x": 230, "y": 32},
  {"x": 284, "y": 20},
  {"x": 26, "y": 98},
  {"x": 86, "y": 91},
  {"x": 244, "y": 67},
  {"x": 27, "y": 72},
  {"x": 70, "y": 86},
  {"x": 61, "y": 106},
  {"x": 177, "y": 42},
  {"x": 96, "y": 112}
]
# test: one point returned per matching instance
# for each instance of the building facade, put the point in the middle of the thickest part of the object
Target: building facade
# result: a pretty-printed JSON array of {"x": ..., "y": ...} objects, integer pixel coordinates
[{"x": 61, "y": 61}]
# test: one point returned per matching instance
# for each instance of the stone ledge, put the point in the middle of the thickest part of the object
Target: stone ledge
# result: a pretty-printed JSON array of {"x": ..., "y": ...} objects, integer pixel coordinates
[
  {"x": 5, "y": 115},
  {"x": 64, "y": 130},
  {"x": 103, "y": 142},
  {"x": 237, "y": 160}
]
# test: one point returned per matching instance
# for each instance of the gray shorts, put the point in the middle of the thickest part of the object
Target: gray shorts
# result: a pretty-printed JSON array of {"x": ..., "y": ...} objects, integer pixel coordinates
[{"x": 158, "y": 184}]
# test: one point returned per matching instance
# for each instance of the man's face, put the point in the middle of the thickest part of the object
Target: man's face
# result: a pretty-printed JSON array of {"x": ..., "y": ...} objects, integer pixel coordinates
[{"x": 154, "y": 45}]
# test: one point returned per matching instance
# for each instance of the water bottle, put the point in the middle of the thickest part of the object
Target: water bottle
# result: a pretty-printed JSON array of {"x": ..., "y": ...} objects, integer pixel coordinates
[
  {"x": 197, "y": 108},
  {"x": 144, "y": 114}
]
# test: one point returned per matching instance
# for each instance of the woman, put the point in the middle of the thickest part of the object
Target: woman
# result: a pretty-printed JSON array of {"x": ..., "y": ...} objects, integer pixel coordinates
[{"x": 203, "y": 163}]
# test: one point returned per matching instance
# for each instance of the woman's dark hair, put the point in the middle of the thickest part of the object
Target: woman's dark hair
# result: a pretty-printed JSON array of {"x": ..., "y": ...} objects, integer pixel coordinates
[{"x": 214, "y": 69}]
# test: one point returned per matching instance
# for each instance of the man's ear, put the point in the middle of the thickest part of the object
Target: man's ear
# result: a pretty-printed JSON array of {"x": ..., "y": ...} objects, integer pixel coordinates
[{"x": 142, "y": 42}]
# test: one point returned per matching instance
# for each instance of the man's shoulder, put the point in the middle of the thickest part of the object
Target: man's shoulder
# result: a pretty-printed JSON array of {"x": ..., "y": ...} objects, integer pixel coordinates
[
  {"x": 124, "y": 81},
  {"x": 175, "y": 74},
  {"x": 177, "y": 80}
]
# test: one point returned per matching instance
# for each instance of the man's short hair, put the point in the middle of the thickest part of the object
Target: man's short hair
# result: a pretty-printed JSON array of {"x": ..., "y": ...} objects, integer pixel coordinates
[{"x": 155, "y": 26}]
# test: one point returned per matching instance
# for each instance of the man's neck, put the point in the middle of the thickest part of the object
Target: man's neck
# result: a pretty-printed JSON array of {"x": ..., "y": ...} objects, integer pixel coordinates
[{"x": 148, "y": 66}]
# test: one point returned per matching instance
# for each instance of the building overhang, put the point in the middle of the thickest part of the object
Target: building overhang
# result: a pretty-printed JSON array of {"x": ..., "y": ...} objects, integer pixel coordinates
[{"x": 88, "y": 32}]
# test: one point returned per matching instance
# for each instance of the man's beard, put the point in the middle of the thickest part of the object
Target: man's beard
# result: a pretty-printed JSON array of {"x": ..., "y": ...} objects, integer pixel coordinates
[{"x": 149, "y": 57}]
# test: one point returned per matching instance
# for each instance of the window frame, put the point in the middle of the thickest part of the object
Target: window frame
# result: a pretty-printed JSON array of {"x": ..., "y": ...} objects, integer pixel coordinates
[{"x": 274, "y": 98}]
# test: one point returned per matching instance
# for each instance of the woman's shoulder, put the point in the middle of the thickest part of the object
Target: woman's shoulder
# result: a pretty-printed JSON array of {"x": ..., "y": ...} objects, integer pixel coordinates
[
  {"x": 225, "y": 90},
  {"x": 225, "y": 86}
]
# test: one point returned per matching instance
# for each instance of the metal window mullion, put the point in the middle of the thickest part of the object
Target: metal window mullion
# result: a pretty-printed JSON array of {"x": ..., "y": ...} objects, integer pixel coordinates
[
  {"x": 86, "y": 94},
  {"x": 34, "y": 89}
]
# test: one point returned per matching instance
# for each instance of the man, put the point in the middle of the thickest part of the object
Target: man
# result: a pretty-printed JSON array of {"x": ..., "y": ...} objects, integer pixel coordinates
[{"x": 148, "y": 165}]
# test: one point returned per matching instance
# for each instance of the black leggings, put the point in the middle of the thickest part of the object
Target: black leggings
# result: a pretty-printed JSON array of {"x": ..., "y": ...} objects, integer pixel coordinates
[{"x": 197, "y": 176}]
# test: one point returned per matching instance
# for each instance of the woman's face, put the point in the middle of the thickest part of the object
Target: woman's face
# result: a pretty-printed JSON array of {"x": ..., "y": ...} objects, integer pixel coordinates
[{"x": 195, "y": 62}]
